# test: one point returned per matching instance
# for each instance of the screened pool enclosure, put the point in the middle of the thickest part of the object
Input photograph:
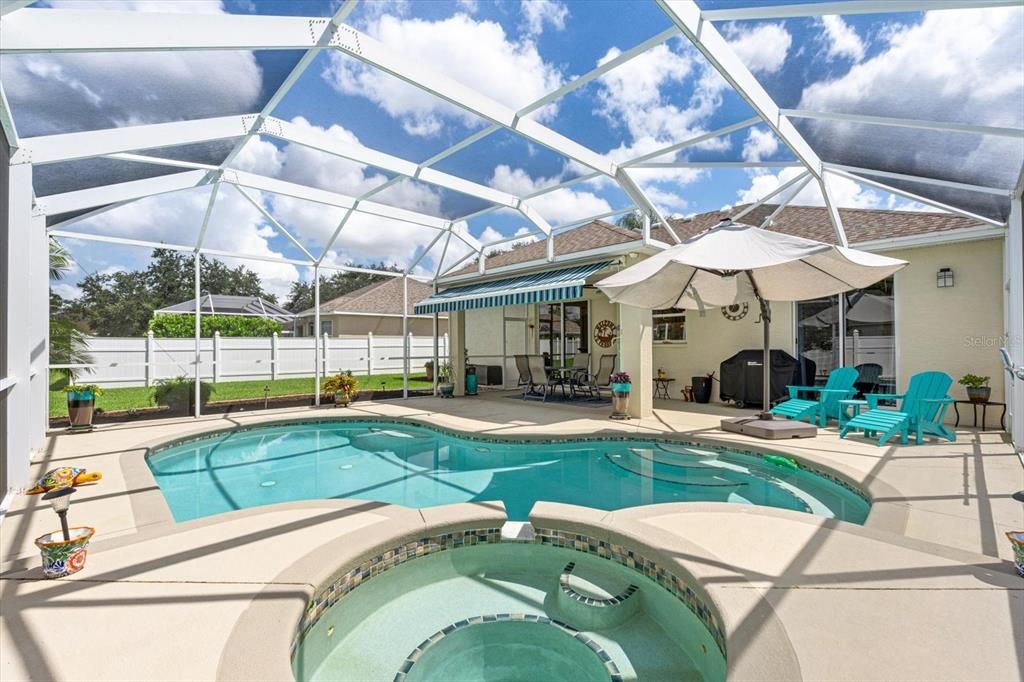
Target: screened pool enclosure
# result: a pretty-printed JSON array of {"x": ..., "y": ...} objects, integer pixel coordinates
[{"x": 306, "y": 138}]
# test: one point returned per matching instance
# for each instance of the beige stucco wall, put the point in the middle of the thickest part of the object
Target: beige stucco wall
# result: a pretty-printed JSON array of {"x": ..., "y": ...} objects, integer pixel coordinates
[
  {"x": 956, "y": 330},
  {"x": 711, "y": 338}
]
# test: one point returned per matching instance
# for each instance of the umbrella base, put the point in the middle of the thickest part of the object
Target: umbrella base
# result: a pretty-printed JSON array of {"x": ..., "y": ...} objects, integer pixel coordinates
[{"x": 770, "y": 429}]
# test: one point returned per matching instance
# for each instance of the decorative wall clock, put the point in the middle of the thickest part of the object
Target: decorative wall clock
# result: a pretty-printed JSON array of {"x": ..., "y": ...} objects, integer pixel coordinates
[
  {"x": 605, "y": 332},
  {"x": 735, "y": 312}
]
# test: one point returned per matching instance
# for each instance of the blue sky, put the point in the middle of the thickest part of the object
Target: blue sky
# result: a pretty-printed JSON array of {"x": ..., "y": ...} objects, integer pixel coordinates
[{"x": 516, "y": 52}]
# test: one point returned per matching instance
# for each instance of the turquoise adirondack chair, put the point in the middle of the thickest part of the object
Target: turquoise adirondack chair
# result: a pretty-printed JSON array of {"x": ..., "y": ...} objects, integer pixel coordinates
[
  {"x": 921, "y": 410},
  {"x": 838, "y": 387}
]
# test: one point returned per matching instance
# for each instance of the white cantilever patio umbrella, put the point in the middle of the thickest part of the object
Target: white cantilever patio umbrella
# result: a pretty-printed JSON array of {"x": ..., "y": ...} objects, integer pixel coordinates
[{"x": 734, "y": 263}]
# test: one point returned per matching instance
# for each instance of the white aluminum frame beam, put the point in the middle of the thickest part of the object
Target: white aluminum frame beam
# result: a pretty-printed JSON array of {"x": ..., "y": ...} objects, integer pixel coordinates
[
  {"x": 818, "y": 9},
  {"x": 916, "y": 124},
  {"x": 833, "y": 211},
  {"x": 950, "y": 184},
  {"x": 785, "y": 200},
  {"x": 8, "y": 6},
  {"x": 711, "y": 165},
  {"x": 917, "y": 197},
  {"x": 277, "y": 226},
  {"x": 778, "y": 190},
  {"x": 709, "y": 42},
  {"x": 54, "y": 204},
  {"x": 693, "y": 141}
]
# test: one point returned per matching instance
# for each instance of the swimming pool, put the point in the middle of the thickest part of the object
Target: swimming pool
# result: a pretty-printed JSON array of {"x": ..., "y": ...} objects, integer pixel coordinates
[{"x": 417, "y": 467}]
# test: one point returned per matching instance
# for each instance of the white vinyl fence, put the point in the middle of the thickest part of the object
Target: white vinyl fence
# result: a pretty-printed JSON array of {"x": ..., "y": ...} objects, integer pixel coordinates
[{"x": 141, "y": 361}]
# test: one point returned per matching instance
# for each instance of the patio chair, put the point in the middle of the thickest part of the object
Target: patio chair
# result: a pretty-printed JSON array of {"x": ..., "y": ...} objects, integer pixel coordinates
[
  {"x": 592, "y": 384},
  {"x": 867, "y": 382},
  {"x": 541, "y": 383},
  {"x": 921, "y": 410},
  {"x": 579, "y": 370},
  {"x": 523, "y": 366},
  {"x": 838, "y": 387}
]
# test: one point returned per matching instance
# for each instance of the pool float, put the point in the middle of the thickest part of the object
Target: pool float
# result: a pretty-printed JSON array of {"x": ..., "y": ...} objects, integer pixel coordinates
[
  {"x": 781, "y": 462},
  {"x": 64, "y": 477}
]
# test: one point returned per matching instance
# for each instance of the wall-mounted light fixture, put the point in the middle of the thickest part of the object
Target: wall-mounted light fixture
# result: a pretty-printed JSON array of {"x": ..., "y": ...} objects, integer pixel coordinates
[{"x": 944, "y": 278}]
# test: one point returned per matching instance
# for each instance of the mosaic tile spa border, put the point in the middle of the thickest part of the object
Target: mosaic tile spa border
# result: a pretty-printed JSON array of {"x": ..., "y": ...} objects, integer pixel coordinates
[
  {"x": 328, "y": 596},
  {"x": 804, "y": 466},
  {"x": 417, "y": 653},
  {"x": 564, "y": 583}
]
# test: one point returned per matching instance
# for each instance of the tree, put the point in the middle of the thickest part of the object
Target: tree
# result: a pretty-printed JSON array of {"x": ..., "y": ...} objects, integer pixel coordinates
[
  {"x": 634, "y": 220},
  {"x": 67, "y": 342},
  {"x": 338, "y": 284},
  {"x": 122, "y": 303}
]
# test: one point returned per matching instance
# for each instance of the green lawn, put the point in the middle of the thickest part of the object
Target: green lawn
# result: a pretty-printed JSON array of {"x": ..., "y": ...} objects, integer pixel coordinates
[{"x": 114, "y": 399}]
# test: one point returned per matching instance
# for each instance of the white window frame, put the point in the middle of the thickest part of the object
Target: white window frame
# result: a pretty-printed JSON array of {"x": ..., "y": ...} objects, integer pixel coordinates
[{"x": 655, "y": 316}]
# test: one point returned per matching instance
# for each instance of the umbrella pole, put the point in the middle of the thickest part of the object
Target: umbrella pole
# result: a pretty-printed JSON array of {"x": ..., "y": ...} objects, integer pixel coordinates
[{"x": 766, "y": 366}]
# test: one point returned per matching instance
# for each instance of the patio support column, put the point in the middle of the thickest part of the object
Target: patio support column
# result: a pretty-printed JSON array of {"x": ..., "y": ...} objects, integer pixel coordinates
[
  {"x": 457, "y": 349},
  {"x": 15, "y": 309},
  {"x": 196, "y": 327},
  {"x": 1014, "y": 262},
  {"x": 406, "y": 346},
  {"x": 635, "y": 357},
  {"x": 38, "y": 328},
  {"x": 316, "y": 334},
  {"x": 436, "y": 353}
]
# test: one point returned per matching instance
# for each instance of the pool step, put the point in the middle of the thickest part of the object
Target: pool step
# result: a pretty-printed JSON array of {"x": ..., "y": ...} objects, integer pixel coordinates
[
  {"x": 674, "y": 468},
  {"x": 593, "y": 600}
]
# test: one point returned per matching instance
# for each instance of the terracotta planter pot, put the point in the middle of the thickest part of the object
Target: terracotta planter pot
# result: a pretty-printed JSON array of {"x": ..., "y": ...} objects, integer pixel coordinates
[
  {"x": 63, "y": 557},
  {"x": 80, "y": 408}
]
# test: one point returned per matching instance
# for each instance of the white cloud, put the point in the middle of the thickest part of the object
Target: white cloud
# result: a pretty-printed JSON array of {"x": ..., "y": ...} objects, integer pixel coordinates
[
  {"x": 760, "y": 144},
  {"x": 841, "y": 39},
  {"x": 538, "y": 13},
  {"x": 845, "y": 192},
  {"x": 468, "y": 6},
  {"x": 960, "y": 65},
  {"x": 763, "y": 48},
  {"x": 53, "y": 93},
  {"x": 478, "y": 54},
  {"x": 558, "y": 207},
  {"x": 65, "y": 290}
]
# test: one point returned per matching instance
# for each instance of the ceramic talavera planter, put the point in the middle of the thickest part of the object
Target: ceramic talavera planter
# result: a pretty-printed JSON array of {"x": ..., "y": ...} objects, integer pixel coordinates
[
  {"x": 620, "y": 401},
  {"x": 63, "y": 557},
  {"x": 1016, "y": 538}
]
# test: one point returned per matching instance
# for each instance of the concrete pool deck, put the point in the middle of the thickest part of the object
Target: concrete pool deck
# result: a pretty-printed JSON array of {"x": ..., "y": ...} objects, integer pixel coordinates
[{"x": 923, "y": 591}]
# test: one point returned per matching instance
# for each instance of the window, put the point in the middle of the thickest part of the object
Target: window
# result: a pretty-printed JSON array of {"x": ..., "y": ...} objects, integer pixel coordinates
[
  {"x": 669, "y": 325},
  {"x": 326, "y": 327}
]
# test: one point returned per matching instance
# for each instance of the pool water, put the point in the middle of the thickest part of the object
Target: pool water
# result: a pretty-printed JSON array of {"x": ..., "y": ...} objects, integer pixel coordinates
[
  {"x": 373, "y": 631},
  {"x": 418, "y": 467}
]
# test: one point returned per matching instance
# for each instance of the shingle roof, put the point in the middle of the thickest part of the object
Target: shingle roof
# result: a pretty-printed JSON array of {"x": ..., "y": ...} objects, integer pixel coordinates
[
  {"x": 811, "y": 222},
  {"x": 382, "y": 298},
  {"x": 219, "y": 304}
]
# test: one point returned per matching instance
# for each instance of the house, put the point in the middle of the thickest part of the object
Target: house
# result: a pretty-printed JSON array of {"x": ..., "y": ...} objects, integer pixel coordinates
[
  {"x": 522, "y": 302},
  {"x": 376, "y": 309},
  {"x": 217, "y": 304}
]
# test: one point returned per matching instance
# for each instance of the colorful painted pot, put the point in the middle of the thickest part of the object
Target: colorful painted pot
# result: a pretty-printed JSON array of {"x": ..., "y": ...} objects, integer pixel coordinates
[
  {"x": 1016, "y": 538},
  {"x": 63, "y": 557}
]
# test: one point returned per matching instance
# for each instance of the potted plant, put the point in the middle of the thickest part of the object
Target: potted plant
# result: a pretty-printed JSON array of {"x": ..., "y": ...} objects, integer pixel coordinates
[
  {"x": 344, "y": 387},
  {"x": 444, "y": 378},
  {"x": 82, "y": 404},
  {"x": 978, "y": 390},
  {"x": 179, "y": 393},
  {"x": 428, "y": 367},
  {"x": 620, "y": 385}
]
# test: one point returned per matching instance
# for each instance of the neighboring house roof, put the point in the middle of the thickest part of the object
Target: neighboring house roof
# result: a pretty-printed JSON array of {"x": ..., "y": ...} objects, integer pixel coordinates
[
  {"x": 381, "y": 298},
  {"x": 217, "y": 304},
  {"x": 812, "y": 222}
]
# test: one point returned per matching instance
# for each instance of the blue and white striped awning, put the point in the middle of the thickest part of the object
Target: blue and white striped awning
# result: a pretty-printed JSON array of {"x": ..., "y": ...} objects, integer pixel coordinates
[{"x": 540, "y": 287}]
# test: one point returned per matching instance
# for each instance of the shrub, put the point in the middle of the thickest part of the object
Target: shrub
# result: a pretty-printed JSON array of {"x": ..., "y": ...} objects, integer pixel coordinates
[
  {"x": 82, "y": 388},
  {"x": 341, "y": 383},
  {"x": 183, "y": 326},
  {"x": 179, "y": 393},
  {"x": 620, "y": 378}
]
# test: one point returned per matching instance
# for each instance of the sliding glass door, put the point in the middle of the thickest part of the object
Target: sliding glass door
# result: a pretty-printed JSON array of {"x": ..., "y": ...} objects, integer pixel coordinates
[
  {"x": 856, "y": 329},
  {"x": 564, "y": 331}
]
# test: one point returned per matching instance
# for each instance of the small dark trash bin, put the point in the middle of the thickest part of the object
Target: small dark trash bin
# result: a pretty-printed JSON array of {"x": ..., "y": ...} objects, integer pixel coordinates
[{"x": 701, "y": 389}]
